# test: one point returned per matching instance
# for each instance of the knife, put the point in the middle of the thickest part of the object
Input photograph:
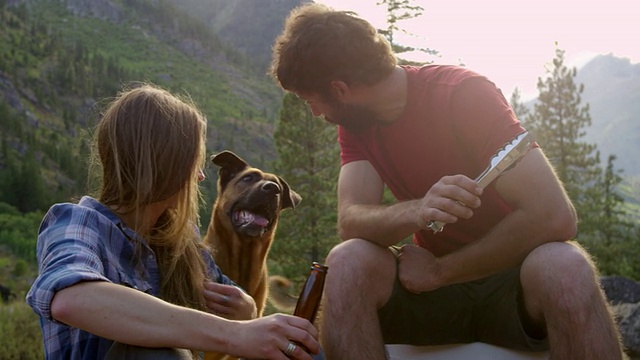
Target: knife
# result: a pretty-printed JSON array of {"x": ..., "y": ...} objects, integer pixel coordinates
[{"x": 505, "y": 158}]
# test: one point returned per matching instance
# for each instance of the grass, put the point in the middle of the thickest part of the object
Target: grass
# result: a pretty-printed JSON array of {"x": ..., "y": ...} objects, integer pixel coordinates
[{"x": 20, "y": 335}]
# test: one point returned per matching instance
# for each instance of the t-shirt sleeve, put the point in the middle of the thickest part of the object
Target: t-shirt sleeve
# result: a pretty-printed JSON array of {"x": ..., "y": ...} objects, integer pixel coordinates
[
  {"x": 67, "y": 252},
  {"x": 483, "y": 119},
  {"x": 350, "y": 147}
]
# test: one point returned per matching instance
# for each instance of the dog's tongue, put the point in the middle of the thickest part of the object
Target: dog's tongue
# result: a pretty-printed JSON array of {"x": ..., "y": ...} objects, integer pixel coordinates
[{"x": 249, "y": 217}]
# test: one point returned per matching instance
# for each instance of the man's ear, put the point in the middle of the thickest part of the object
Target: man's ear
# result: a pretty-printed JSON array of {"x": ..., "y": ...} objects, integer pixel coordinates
[{"x": 340, "y": 90}]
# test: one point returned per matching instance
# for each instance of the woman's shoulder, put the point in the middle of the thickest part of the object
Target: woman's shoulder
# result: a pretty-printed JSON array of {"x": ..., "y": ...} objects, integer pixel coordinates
[{"x": 86, "y": 213}]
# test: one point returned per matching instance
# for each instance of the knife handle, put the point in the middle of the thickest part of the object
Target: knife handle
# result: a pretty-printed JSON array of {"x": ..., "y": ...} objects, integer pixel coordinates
[{"x": 487, "y": 176}]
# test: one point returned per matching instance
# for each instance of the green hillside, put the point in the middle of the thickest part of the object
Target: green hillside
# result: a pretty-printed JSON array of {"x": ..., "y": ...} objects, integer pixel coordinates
[{"x": 59, "y": 61}]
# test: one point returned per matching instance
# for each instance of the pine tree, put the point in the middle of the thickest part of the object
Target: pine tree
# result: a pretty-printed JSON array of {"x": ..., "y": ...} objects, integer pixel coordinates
[
  {"x": 28, "y": 186},
  {"x": 308, "y": 159},
  {"x": 397, "y": 11},
  {"x": 518, "y": 107},
  {"x": 607, "y": 217},
  {"x": 558, "y": 123},
  {"x": 607, "y": 229}
]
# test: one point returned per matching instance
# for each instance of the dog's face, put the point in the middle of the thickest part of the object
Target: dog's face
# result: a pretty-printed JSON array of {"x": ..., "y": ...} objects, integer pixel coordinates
[{"x": 250, "y": 198}]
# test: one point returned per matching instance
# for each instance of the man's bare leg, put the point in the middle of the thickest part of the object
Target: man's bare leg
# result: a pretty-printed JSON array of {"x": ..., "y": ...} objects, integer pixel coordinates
[
  {"x": 562, "y": 290},
  {"x": 359, "y": 282}
]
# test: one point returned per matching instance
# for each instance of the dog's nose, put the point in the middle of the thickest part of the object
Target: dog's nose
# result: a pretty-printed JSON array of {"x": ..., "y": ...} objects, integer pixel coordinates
[{"x": 271, "y": 187}]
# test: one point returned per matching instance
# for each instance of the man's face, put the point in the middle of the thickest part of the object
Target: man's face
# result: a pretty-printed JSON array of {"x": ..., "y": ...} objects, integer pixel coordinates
[{"x": 355, "y": 118}]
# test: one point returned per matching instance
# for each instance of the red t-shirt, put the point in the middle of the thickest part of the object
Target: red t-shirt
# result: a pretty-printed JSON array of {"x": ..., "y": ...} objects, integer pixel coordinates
[{"x": 454, "y": 122}]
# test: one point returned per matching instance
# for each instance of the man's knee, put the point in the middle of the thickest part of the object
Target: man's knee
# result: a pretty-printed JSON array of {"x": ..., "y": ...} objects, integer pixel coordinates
[
  {"x": 559, "y": 274},
  {"x": 362, "y": 266},
  {"x": 360, "y": 254},
  {"x": 559, "y": 262}
]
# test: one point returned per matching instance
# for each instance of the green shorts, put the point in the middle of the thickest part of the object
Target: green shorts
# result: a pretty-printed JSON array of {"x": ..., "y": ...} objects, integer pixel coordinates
[{"x": 488, "y": 310}]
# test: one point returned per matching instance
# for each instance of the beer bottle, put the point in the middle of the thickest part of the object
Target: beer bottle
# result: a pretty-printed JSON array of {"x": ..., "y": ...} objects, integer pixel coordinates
[{"x": 309, "y": 299}]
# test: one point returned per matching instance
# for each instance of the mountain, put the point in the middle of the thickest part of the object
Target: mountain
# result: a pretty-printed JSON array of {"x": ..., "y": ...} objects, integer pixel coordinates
[
  {"x": 250, "y": 28},
  {"x": 612, "y": 90},
  {"x": 60, "y": 61}
]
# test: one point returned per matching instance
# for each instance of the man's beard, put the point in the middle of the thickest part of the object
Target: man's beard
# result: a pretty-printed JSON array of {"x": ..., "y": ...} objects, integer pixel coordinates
[{"x": 354, "y": 118}]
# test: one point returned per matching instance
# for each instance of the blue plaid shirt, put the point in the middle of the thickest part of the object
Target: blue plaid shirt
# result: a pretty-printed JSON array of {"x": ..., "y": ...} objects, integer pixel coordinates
[{"x": 88, "y": 242}]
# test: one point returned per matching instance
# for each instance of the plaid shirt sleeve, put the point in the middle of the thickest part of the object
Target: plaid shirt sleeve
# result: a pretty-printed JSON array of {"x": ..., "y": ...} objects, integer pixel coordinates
[
  {"x": 68, "y": 253},
  {"x": 215, "y": 273}
]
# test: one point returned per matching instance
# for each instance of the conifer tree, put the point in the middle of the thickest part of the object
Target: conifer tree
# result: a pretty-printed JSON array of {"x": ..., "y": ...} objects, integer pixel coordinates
[
  {"x": 518, "y": 107},
  {"x": 397, "y": 11},
  {"x": 606, "y": 227},
  {"x": 558, "y": 122},
  {"x": 614, "y": 212},
  {"x": 308, "y": 159}
]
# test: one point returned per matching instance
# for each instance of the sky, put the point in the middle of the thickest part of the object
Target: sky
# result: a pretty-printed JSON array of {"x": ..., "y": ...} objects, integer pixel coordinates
[{"x": 512, "y": 41}]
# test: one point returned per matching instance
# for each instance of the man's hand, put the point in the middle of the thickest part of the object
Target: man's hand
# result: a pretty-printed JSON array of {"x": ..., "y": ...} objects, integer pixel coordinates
[
  {"x": 229, "y": 301},
  {"x": 450, "y": 199},
  {"x": 417, "y": 269}
]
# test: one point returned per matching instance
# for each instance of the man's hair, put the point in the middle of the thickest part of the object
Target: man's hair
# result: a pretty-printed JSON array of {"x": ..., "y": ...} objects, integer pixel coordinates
[
  {"x": 148, "y": 147},
  {"x": 319, "y": 45}
]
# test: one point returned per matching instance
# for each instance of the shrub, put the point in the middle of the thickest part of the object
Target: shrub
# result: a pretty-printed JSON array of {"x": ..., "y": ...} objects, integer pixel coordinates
[{"x": 20, "y": 334}]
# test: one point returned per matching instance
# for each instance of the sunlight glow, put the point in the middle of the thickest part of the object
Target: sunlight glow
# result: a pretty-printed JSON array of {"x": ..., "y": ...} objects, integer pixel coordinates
[{"x": 511, "y": 41}]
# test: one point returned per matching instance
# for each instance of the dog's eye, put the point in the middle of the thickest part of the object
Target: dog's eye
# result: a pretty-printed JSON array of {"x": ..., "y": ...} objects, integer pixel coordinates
[{"x": 247, "y": 178}]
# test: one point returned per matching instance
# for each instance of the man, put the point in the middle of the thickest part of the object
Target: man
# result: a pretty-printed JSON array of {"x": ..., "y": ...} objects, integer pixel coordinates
[{"x": 501, "y": 271}]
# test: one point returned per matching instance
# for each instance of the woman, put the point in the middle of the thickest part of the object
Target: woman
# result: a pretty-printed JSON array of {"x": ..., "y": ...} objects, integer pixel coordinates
[{"x": 128, "y": 266}]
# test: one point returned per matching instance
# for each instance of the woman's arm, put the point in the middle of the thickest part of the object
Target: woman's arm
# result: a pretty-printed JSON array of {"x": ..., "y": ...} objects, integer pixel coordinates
[{"x": 133, "y": 317}]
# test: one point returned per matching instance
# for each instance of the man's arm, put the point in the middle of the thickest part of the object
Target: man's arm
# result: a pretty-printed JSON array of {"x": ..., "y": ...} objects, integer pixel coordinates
[
  {"x": 360, "y": 214},
  {"x": 542, "y": 213}
]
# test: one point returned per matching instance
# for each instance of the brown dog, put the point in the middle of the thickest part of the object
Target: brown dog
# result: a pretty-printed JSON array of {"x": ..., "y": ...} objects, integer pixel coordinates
[
  {"x": 243, "y": 223},
  {"x": 244, "y": 220}
]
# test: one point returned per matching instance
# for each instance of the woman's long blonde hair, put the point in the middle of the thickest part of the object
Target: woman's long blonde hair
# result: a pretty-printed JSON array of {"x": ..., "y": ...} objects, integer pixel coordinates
[{"x": 150, "y": 145}]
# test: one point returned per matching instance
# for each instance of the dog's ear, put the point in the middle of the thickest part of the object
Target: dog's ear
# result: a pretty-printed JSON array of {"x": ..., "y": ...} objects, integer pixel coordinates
[
  {"x": 290, "y": 198},
  {"x": 230, "y": 165}
]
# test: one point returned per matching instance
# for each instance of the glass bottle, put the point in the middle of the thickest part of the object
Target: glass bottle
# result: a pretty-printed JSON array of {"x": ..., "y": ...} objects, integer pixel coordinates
[{"x": 309, "y": 299}]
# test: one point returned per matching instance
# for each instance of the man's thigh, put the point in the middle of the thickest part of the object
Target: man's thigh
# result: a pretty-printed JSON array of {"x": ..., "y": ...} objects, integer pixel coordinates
[{"x": 486, "y": 310}]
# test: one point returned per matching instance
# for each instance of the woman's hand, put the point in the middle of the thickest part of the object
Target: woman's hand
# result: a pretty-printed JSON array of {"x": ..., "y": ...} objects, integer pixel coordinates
[
  {"x": 277, "y": 336},
  {"x": 229, "y": 301}
]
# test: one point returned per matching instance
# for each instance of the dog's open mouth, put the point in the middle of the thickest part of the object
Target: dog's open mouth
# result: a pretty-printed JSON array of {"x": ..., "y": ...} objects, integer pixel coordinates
[{"x": 250, "y": 223}]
